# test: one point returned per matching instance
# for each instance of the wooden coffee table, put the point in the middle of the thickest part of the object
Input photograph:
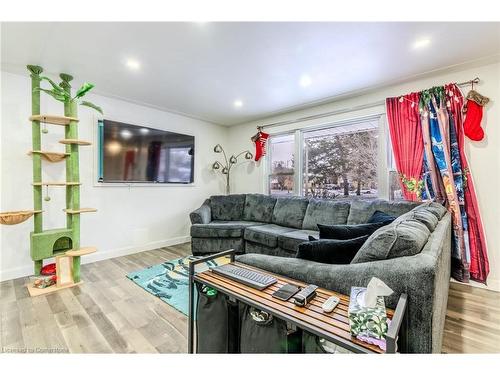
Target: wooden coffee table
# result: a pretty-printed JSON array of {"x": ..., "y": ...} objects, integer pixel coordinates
[{"x": 333, "y": 326}]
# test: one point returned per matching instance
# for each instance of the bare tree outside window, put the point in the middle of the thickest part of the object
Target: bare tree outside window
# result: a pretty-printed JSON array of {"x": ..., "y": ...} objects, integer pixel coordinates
[{"x": 341, "y": 162}]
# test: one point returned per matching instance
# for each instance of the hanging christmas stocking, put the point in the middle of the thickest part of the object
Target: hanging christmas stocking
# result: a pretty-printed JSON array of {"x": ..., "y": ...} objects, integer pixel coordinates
[
  {"x": 260, "y": 140},
  {"x": 474, "y": 115}
]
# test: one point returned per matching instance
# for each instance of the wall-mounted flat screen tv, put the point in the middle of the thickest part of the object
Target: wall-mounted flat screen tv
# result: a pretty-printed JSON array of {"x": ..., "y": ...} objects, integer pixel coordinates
[{"x": 130, "y": 153}]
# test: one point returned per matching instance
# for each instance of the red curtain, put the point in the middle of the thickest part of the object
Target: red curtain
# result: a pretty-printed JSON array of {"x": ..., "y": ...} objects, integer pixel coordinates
[
  {"x": 479, "y": 265},
  {"x": 406, "y": 138}
]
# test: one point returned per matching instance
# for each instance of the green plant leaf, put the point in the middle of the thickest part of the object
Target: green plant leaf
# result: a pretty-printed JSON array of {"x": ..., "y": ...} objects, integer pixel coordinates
[
  {"x": 92, "y": 105},
  {"x": 86, "y": 87},
  {"x": 54, "y": 94},
  {"x": 34, "y": 69},
  {"x": 54, "y": 85}
]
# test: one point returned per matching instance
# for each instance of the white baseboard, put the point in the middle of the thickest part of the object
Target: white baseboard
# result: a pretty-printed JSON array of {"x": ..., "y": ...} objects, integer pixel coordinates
[{"x": 27, "y": 270}]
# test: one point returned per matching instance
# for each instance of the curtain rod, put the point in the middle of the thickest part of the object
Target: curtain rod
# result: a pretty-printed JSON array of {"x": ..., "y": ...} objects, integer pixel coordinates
[{"x": 345, "y": 110}]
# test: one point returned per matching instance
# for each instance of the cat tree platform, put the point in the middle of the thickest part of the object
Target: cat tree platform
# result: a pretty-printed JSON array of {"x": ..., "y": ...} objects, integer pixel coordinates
[
  {"x": 75, "y": 142},
  {"x": 53, "y": 119},
  {"x": 16, "y": 217},
  {"x": 53, "y": 157},
  {"x": 55, "y": 183},
  {"x": 80, "y": 210},
  {"x": 35, "y": 292}
]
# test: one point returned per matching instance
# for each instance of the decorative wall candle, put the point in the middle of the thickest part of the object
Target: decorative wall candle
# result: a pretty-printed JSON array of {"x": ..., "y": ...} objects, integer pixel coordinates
[{"x": 225, "y": 168}]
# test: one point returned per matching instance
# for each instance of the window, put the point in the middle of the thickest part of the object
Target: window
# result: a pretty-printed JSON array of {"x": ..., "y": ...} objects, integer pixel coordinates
[
  {"x": 341, "y": 161},
  {"x": 395, "y": 191},
  {"x": 281, "y": 156}
]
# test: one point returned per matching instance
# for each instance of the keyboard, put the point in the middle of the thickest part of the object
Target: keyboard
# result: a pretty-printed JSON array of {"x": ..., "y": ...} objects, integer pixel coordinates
[{"x": 245, "y": 276}]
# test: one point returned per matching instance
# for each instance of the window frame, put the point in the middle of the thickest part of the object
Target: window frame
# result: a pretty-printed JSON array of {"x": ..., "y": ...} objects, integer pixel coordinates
[
  {"x": 268, "y": 164},
  {"x": 384, "y": 164}
]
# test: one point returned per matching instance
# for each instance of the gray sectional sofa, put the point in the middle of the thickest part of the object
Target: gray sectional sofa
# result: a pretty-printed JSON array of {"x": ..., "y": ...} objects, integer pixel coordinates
[{"x": 411, "y": 255}]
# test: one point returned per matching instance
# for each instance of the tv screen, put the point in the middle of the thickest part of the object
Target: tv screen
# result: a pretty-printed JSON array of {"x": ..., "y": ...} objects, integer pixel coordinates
[{"x": 131, "y": 153}]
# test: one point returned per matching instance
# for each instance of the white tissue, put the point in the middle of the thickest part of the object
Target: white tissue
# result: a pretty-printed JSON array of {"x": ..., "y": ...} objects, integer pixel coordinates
[{"x": 375, "y": 288}]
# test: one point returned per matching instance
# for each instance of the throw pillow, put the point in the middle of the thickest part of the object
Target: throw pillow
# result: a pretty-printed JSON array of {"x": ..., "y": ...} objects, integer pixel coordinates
[
  {"x": 330, "y": 251},
  {"x": 381, "y": 217},
  {"x": 405, "y": 238},
  {"x": 346, "y": 232}
]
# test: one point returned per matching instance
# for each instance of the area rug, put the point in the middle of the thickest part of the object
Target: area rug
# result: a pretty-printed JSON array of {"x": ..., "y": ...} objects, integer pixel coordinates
[{"x": 169, "y": 281}]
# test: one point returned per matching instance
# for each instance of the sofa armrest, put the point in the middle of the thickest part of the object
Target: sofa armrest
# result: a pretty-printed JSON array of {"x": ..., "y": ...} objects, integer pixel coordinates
[
  {"x": 400, "y": 274},
  {"x": 202, "y": 215}
]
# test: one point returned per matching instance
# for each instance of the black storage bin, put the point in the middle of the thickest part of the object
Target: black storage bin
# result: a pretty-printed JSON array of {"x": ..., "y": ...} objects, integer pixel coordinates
[
  {"x": 212, "y": 332},
  {"x": 262, "y": 333},
  {"x": 311, "y": 344}
]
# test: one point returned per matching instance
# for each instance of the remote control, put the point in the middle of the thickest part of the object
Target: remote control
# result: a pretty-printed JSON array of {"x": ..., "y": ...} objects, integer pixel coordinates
[
  {"x": 303, "y": 297},
  {"x": 330, "y": 304}
]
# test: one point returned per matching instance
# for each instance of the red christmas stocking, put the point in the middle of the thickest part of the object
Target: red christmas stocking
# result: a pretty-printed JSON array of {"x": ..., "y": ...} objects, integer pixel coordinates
[
  {"x": 260, "y": 145},
  {"x": 474, "y": 115}
]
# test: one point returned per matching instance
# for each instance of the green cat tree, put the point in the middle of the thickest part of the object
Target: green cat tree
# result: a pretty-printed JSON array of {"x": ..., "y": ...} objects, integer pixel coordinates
[{"x": 49, "y": 243}]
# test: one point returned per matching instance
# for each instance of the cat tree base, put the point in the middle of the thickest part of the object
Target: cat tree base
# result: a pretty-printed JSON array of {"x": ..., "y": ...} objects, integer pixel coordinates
[{"x": 34, "y": 292}]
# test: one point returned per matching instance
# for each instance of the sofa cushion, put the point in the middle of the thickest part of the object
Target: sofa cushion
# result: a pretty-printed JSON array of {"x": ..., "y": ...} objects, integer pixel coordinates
[
  {"x": 291, "y": 240},
  {"x": 266, "y": 234},
  {"x": 435, "y": 208},
  {"x": 404, "y": 238},
  {"x": 421, "y": 215},
  {"x": 325, "y": 212},
  {"x": 205, "y": 246},
  {"x": 222, "y": 229},
  {"x": 290, "y": 211},
  {"x": 227, "y": 207},
  {"x": 345, "y": 232},
  {"x": 331, "y": 251},
  {"x": 259, "y": 207},
  {"x": 361, "y": 210}
]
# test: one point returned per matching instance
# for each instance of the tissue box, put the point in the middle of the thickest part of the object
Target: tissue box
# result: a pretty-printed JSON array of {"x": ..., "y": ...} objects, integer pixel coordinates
[{"x": 366, "y": 321}]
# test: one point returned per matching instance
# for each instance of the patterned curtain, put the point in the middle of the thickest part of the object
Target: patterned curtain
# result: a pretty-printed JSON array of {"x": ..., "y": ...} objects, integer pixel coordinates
[
  {"x": 479, "y": 266},
  {"x": 445, "y": 175}
]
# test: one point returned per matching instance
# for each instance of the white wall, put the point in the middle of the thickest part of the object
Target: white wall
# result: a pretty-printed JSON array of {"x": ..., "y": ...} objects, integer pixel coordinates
[
  {"x": 128, "y": 219},
  {"x": 484, "y": 156}
]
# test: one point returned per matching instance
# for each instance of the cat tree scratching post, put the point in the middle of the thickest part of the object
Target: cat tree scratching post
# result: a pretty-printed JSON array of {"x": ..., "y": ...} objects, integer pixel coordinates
[
  {"x": 59, "y": 242},
  {"x": 72, "y": 174},
  {"x": 37, "y": 160}
]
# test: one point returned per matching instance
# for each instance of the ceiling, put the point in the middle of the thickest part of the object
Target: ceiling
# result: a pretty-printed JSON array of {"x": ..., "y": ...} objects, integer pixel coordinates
[{"x": 201, "y": 69}]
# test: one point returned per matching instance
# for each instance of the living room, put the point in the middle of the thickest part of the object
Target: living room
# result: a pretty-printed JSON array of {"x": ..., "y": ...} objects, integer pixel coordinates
[{"x": 330, "y": 190}]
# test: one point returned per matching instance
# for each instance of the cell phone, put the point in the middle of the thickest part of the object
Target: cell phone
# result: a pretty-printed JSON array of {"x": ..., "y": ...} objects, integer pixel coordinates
[{"x": 286, "y": 292}]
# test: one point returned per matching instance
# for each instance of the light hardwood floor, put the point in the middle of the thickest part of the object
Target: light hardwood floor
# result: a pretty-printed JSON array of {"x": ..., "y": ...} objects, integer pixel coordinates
[{"x": 111, "y": 314}]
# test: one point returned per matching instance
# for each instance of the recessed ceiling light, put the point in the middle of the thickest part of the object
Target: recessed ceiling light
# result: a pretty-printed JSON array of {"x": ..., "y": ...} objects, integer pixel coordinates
[
  {"x": 133, "y": 64},
  {"x": 305, "y": 80},
  {"x": 238, "y": 103},
  {"x": 421, "y": 43},
  {"x": 144, "y": 130}
]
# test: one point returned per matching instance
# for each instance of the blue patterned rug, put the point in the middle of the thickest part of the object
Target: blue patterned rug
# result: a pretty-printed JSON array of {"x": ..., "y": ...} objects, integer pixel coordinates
[{"x": 169, "y": 281}]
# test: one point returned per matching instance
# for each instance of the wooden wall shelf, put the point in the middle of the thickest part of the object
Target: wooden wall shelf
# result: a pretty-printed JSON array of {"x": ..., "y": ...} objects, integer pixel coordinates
[
  {"x": 52, "y": 119},
  {"x": 81, "y": 251},
  {"x": 80, "y": 210},
  {"x": 53, "y": 157},
  {"x": 75, "y": 142},
  {"x": 56, "y": 183}
]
